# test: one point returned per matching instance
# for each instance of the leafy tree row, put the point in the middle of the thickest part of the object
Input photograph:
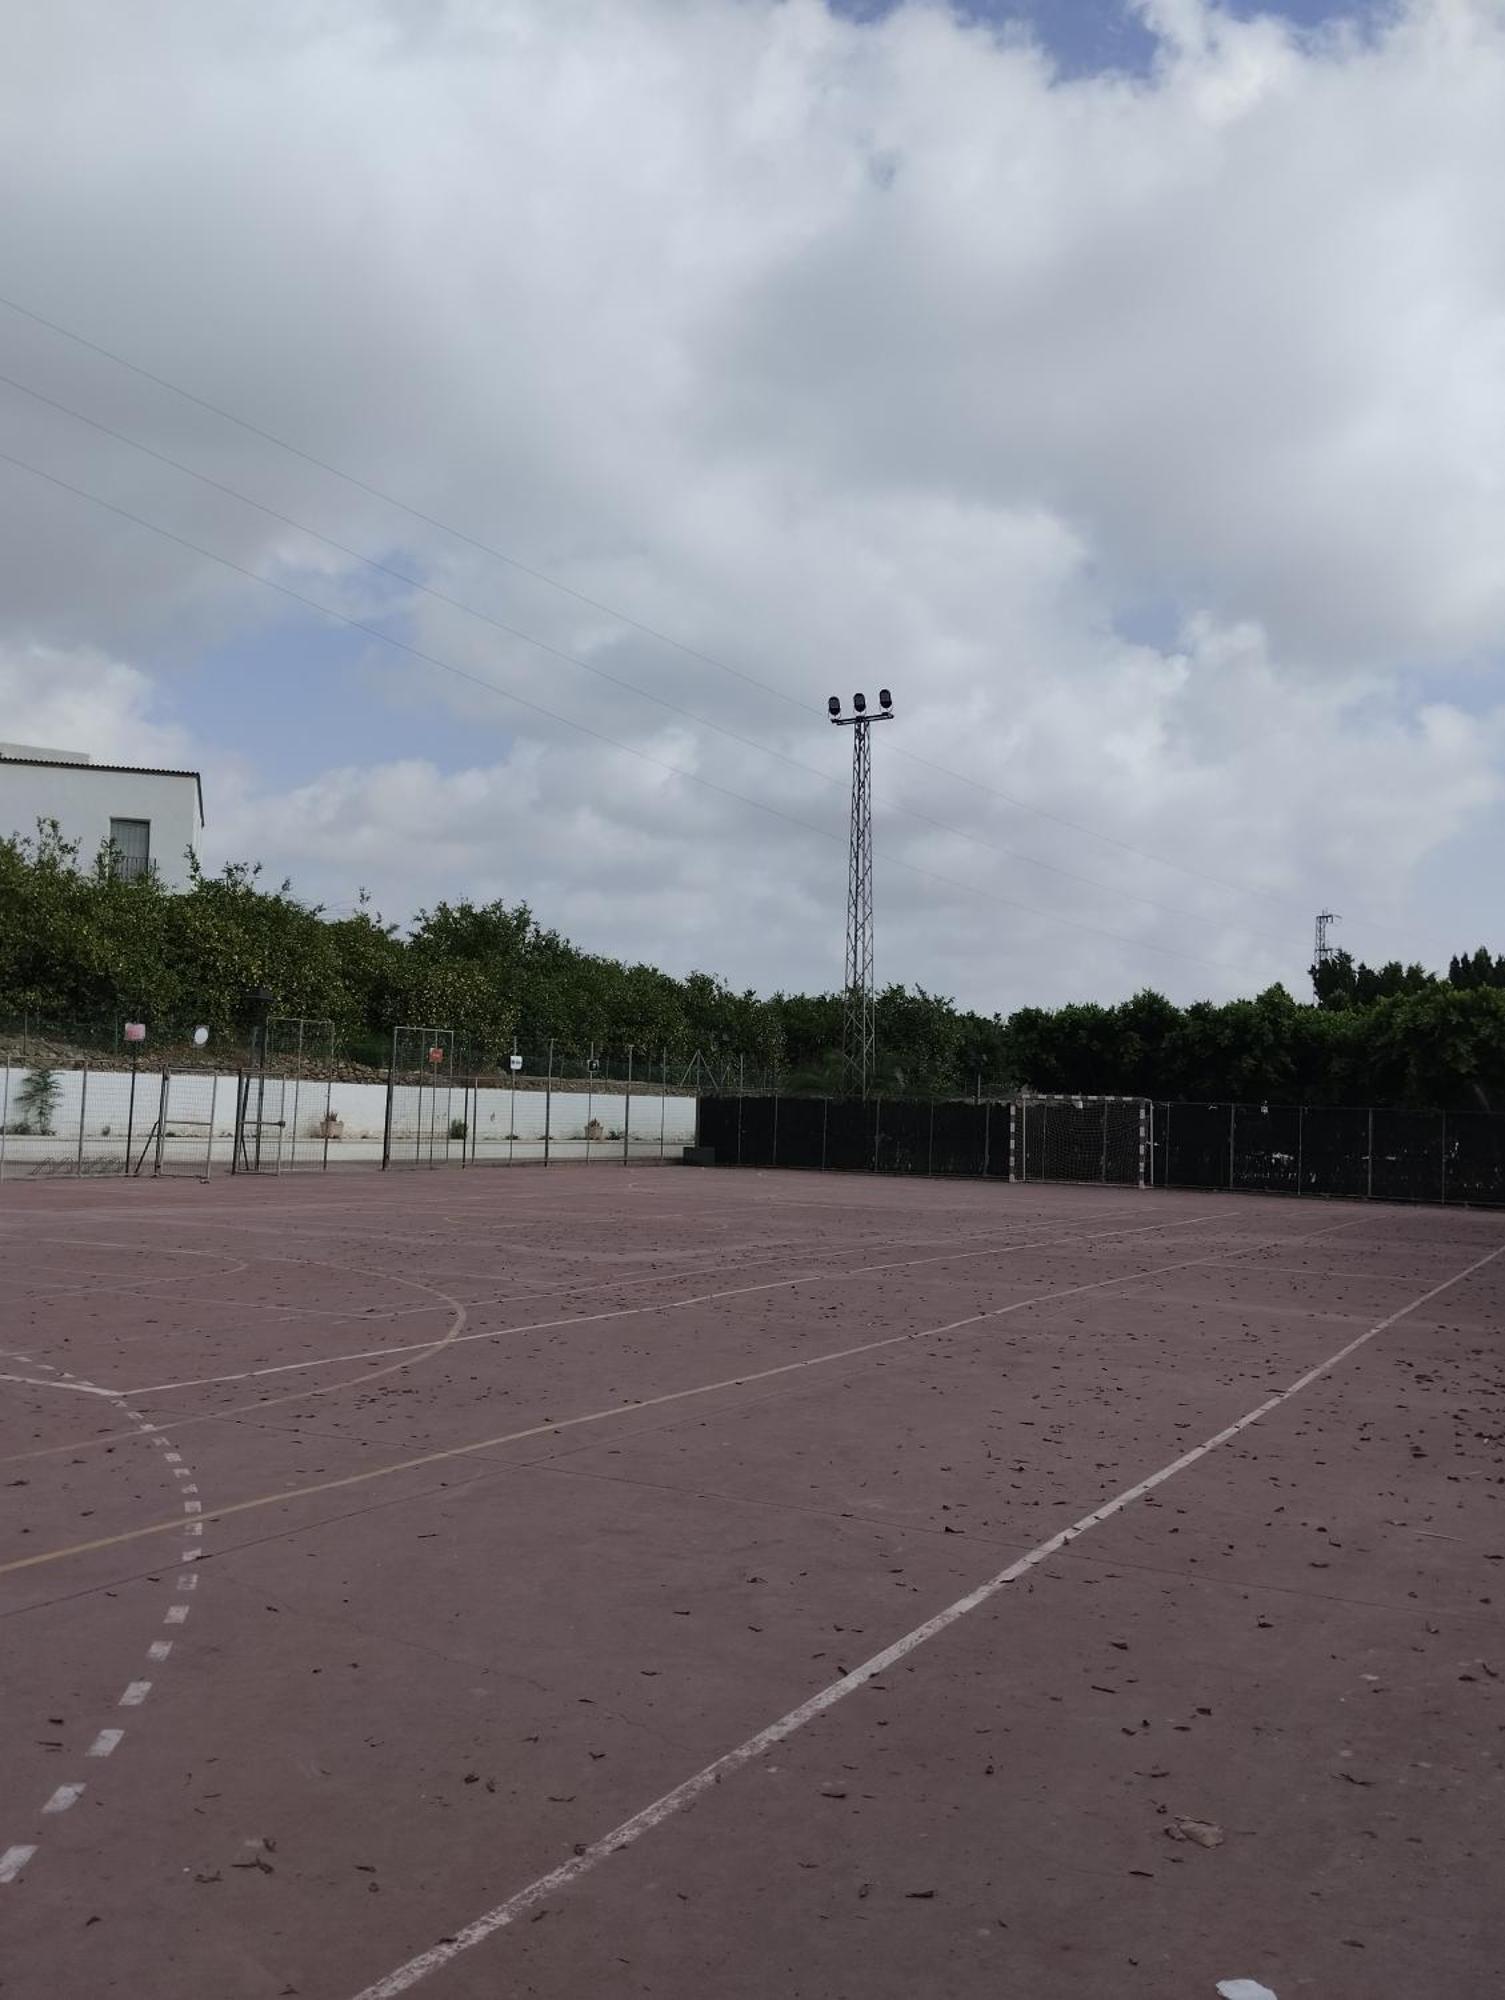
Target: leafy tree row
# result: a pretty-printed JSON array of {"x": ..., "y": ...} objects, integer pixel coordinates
[{"x": 79, "y": 945}]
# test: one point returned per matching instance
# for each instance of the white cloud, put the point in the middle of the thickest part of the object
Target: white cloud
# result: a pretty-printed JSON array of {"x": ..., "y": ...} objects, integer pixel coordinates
[
  {"x": 84, "y": 700},
  {"x": 1144, "y": 435}
]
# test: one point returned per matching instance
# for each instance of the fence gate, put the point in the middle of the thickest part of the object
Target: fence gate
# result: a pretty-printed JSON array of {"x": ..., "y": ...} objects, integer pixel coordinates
[{"x": 260, "y": 1129}]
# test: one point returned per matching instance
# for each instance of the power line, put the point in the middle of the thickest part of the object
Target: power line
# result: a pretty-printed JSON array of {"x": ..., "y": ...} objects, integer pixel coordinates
[
  {"x": 599, "y": 735},
  {"x": 611, "y": 611},
  {"x": 589, "y": 667}
]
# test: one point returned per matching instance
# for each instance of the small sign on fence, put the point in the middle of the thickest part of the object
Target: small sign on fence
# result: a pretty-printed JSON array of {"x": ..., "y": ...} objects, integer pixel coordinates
[
  {"x": 135, "y": 1031},
  {"x": 514, "y": 1063},
  {"x": 436, "y": 1055}
]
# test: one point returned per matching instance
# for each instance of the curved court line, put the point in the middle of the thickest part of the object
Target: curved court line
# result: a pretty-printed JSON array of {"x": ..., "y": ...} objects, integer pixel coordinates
[
  {"x": 656, "y": 1306},
  {"x": 685, "y": 1794},
  {"x": 552, "y": 1426}
]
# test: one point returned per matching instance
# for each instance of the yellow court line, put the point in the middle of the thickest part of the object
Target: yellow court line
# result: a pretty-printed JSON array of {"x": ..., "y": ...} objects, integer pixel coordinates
[{"x": 550, "y": 1428}]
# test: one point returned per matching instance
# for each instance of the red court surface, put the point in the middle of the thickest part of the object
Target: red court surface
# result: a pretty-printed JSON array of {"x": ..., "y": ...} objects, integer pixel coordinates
[{"x": 644, "y": 1581}]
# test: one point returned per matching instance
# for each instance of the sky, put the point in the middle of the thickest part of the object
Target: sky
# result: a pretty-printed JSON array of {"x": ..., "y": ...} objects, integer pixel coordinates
[{"x": 480, "y": 434}]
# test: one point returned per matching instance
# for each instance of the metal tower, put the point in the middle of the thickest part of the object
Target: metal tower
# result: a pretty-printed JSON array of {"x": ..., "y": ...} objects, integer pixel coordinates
[
  {"x": 1324, "y": 951},
  {"x": 859, "y": 1023}
]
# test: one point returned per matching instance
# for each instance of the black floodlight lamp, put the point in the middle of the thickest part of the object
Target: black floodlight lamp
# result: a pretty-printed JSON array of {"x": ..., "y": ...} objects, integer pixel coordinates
[
  {"x": 885, "y": 699},
  {"x": 833, "y": 706},
  {"x": 859, "y": 703}
]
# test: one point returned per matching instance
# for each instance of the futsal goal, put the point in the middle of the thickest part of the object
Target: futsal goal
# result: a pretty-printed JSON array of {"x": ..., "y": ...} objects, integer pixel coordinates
[{"x": 1070, "y": 1138}]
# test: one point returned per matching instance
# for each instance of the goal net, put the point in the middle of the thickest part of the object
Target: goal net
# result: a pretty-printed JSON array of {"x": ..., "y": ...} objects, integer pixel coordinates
[{"x": 1082, "y": 1139}]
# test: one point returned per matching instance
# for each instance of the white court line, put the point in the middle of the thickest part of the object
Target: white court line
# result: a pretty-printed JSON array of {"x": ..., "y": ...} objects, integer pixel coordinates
[
  {"x": 64, "y": 1797},
  {"x": 13, "y": 1860},
  {"x": 692, "y": 1788},
  {"x": 176, "y": 1614},
  {"x": 159, "y": 1649},
  {"x": 664, "y": 1306},
  {"x": 78, "y": 1388},
  {"x": 135, "y": 1694},
  {"x": 105, "y": 1742}
]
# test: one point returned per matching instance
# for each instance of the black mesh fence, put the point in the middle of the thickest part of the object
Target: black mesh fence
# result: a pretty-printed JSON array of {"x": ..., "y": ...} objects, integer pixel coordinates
[
  {"x": 1382, "y": 1155},
  {"x": 849, "y": 1136},
  {"x": 760, "y": 1124},
  {"x": 1265, "y": 1146},
  {"x": 802, "y": 1131},
  {"x": 959, "y": 1138},
  {"x": 1193, "y": 1145},
  {"x": 1474, "y": 1157},
  {"x": 902, "y": 1136},
  {"x": 1408, "y": 1156}
]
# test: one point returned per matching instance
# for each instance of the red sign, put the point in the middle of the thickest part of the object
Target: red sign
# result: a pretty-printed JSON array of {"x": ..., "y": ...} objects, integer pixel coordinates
[{"x": 436, "y": 1055}]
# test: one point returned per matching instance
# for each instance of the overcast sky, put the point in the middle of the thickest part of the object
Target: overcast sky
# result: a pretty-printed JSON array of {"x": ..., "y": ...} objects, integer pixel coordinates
[{"x": 1122, "y": 382}]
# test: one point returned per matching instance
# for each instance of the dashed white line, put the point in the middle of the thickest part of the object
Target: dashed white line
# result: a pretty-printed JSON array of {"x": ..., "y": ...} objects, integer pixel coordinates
[
  {"x": 176, "y": 1614},
  {"x": 64, "y": 1797},
  {"x": 135, "y": 1694},
  {"x": 13, "y": 1860},
  {"x": 105, "y": 1742}
]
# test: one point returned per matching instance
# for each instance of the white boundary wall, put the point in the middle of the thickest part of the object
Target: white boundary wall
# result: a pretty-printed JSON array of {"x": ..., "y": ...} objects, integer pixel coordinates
[{"x": 93, "y": 1113}]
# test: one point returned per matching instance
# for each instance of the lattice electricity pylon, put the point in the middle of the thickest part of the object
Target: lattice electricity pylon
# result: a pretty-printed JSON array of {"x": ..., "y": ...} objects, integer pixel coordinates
[
  {"x": 860, "y": 1016},
  {"x": 1323, "y": 950}
]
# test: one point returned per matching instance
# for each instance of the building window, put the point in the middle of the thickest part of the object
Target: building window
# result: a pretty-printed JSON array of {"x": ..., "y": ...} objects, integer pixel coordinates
[{"x": 131, "y": 841}]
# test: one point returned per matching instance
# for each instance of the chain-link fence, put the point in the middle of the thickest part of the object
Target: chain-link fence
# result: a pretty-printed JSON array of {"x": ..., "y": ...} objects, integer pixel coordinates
[
  {"x": 1379, "y": 1154},
  {"x": 549, "y": 1106}
]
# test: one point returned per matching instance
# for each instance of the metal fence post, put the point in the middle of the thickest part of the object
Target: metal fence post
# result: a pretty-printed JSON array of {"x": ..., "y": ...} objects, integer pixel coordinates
[
  {"x": 1443, "y": 1197},
  {"x": 83, "y": 1102},
  {"x": 548, "y": 1102},
  {"x": 209, "y": 1147},
  {"x": 1232, "y": 1140},
  {"x": 1300, "y": 1143},
  {"x": 663, "y": 1107},
  {"x": 627, "y": 1109},
  {"x": 877, "y": 1129},
  {"x": 739, "y": 1128},
  {"x": 930, "y": 1142},
  {"x": 774, "y": 1155},
  {"x": 1103, "y": 1175},
  {"x": 386, "y": 1130},
  {"x": 161, "y": 1122},
  {"x": 5, "y": 1117},
  {"x": 987, "y": 1137},
  {"x": 825, "y": 1120},
  {"x": 1369, "y": 1161}
]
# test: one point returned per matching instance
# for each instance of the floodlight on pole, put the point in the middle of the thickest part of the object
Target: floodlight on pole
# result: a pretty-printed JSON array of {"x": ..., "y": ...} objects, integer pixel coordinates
[{"x": 860, "y": 1017}]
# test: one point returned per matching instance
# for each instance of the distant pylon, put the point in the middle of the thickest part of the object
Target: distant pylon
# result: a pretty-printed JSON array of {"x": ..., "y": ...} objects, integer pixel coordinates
[
  {"x": 1323, "y": 950},
  {"x": 860, "y": 1017}
]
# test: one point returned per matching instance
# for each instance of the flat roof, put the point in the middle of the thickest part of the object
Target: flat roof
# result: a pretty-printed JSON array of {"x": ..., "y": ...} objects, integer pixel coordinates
[{"x": 141, "y": 770}]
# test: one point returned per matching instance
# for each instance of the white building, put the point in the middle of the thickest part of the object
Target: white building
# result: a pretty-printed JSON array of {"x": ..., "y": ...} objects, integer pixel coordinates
[{"x": 151, "y": 818}]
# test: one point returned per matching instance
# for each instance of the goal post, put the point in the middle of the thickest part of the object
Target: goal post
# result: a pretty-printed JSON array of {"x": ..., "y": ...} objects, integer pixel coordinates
[{"x": 1077, "y": 1137}]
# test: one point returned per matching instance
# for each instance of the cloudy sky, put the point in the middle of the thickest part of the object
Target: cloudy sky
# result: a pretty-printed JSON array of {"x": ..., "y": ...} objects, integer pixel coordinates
[{"x": 481, "y": 434}]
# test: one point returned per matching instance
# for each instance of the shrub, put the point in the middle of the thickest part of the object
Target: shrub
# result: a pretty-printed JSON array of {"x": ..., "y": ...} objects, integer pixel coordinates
[{"x": 38, "y": 1098}]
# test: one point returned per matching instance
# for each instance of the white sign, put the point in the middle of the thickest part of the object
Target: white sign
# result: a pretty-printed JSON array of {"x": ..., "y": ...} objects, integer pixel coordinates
[
  {"x": 200, "y": 1036},
  {"x": 514, "y": 1062},
  {"x": 135, "y": 1031}
]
